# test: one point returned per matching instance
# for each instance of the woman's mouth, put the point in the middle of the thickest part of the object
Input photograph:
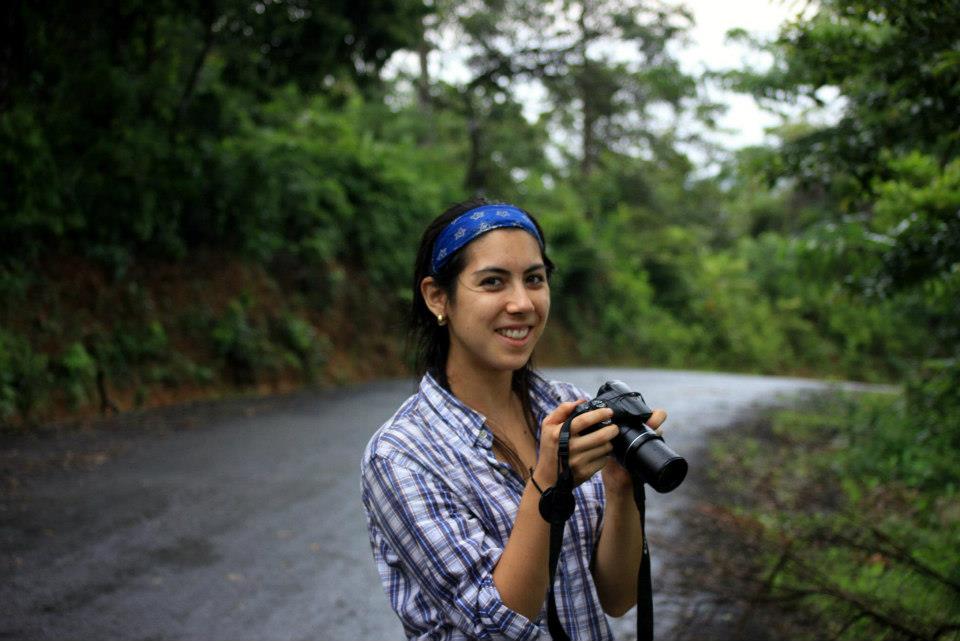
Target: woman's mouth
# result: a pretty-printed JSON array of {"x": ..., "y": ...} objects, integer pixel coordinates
[{"x": 514, "y": 333}]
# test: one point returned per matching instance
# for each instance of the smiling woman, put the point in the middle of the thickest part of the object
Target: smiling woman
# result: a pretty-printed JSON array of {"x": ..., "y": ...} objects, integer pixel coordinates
[
  {"x": 501, "y": 307},
  {"x": 451, "y": 483}
]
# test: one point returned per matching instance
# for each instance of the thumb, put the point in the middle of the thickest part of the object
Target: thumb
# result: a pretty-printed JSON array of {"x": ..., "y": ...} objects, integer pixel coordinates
[{"x": 657, "y": 418}]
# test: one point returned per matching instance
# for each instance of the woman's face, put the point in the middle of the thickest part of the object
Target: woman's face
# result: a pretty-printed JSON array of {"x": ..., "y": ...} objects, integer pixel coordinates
[{"x": 501, "y": 304}]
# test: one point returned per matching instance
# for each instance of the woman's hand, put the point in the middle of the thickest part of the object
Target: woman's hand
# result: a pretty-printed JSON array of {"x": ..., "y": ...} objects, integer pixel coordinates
[
  {"x": 588, "y": 452},
  {"x": 615, "y": 478}
]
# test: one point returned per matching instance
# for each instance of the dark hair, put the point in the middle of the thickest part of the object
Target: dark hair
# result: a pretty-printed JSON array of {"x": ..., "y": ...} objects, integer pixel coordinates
[{"x": 432, "y": 341}]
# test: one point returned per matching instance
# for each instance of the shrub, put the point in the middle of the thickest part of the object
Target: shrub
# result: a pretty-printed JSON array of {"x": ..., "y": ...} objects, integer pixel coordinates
[
  {"x": 301, "y": 338},
  {"x": 25, "y": 378},
  {"x": 77, "y": 373},
  {"x": 242, "y": 344}
]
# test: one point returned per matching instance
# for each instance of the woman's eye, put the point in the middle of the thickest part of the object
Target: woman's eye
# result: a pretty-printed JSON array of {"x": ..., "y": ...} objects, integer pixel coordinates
[
  {"x": 536, "y": 279},
  {"x": 491, "y": 281}
]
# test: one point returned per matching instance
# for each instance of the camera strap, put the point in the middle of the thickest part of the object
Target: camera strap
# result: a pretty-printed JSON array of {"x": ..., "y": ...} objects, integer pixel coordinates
[
  {"x": 644, "y": 584},
  {"x": 556, "y": 507}
]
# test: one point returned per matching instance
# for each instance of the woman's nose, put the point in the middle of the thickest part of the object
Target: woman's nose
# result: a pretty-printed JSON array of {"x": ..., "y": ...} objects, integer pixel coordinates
[{"x": 519, "y": 301}]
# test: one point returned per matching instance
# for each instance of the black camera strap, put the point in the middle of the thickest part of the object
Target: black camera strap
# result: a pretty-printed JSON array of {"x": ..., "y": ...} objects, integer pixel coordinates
[
  {"x": 644, "y": 584},
  {"x": 556, "y": 507}
]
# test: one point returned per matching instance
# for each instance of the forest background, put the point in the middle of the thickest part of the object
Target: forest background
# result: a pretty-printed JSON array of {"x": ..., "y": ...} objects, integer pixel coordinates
[{"x": 206, "y": 198}]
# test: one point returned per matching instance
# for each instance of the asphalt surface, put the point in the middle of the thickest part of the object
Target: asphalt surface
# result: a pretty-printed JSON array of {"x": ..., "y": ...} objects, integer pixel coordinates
[{"x": 243, "y": 520}]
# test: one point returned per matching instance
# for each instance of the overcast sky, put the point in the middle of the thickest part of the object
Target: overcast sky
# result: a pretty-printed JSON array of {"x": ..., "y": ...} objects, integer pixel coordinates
[{"x": 708, "y": 49}]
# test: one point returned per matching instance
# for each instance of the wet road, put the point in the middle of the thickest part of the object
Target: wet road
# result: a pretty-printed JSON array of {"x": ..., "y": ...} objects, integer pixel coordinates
[{"x": 247, "y": 524}]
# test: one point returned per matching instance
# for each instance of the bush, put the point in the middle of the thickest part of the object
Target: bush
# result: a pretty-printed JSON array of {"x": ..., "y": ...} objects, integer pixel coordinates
[
  {"x": 301, "y": 338},
  {"x": 77, "y": 374},
  {"x": 25, "y": 379},
  {"x": 242, "y": 345},
  {"x": 853, "y": 501}
]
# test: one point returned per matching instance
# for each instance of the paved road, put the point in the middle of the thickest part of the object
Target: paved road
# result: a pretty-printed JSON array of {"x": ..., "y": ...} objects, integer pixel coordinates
[{"x": 245, "y": 523}]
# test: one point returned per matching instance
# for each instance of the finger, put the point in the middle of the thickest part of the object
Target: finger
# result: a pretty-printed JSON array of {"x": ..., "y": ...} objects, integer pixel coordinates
[
  {"x": 585, "y": 467},
  {"x": 656, "y": 419},
  {"x": 594, "y": 448},
  {"x": 600, "y": 438},
  {"x": 586, "y": 458},
  {"x": 561, "y": 412},
  {"x": 589, "y": 419}
]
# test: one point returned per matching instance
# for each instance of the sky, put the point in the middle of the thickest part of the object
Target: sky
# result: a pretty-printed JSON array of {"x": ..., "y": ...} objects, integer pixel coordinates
[{"x": 708, "y": 49}]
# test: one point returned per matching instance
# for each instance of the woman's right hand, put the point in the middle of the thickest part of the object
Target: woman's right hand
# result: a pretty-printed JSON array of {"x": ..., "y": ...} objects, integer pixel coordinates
[{"x": 588, "y": 452}]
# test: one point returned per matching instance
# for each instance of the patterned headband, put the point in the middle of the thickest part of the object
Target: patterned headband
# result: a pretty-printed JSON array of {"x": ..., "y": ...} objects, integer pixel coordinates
[{"x": 467, "y": 227}]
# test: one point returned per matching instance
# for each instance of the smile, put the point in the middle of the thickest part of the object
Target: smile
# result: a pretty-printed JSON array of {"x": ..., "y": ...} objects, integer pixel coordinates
[{"x": 514, "y": 333}]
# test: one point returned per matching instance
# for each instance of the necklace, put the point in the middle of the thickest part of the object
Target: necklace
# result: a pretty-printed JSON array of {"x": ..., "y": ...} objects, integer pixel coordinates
[{"x": 505, "y": 447}]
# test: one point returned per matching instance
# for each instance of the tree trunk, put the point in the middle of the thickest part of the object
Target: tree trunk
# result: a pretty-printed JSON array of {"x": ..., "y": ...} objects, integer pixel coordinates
[
  {"x": 424, "y": 99},
  {"x": 587, "y": 139},
  {"x": 198, "y": 63},
  {"x": 475, "y": 180}
]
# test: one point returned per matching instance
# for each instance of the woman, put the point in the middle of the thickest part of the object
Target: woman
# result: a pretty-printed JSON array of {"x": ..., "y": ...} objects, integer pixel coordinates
[{"x": 452, "y": 482}]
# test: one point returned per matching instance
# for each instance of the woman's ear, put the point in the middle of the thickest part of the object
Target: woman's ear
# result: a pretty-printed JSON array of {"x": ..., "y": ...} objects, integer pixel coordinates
[{"x": 434, "y": 296}]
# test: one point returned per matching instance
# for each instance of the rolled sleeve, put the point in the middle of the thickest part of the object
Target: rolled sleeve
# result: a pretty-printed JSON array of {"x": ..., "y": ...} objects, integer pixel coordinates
[{"x": 440, "y": 547}]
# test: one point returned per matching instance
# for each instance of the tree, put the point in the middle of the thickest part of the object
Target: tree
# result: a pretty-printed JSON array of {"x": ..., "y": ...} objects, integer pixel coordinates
[
  {"x": 896, "y": 66},
  {"x": 603, "y": 67},
  {"x": 887, "y": 168},
  {"x": 110, "y": 114}
]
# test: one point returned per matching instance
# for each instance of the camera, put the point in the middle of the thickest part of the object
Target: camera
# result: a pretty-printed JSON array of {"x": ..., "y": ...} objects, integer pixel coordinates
[{"x": 637, "y": 447}]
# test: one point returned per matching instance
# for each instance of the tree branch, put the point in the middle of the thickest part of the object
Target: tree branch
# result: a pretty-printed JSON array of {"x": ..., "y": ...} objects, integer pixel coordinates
[
  {"x": 824, "y": 587},
  {"x": 195, "y": 71}
]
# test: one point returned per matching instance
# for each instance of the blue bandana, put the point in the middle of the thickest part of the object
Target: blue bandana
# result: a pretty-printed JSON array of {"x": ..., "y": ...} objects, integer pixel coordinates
[{"x": 466, "y": 227}]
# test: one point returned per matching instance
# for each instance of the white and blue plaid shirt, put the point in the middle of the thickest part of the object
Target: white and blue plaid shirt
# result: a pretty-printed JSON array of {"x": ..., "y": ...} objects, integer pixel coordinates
[{"x": 440, "y": 508}]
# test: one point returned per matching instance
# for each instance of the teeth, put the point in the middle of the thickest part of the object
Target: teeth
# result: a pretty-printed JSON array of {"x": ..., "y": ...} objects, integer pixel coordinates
[{"x": 515, "y": 333}]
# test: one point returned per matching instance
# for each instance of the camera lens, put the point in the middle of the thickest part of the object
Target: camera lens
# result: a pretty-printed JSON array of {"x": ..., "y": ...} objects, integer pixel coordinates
[{"x": 658, "y": 465}]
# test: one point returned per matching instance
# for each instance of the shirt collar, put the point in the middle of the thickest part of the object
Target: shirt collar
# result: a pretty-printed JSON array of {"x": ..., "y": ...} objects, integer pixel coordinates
[
  {"x": 470, "y": 424},
  {"x": 467, "y": 423}
]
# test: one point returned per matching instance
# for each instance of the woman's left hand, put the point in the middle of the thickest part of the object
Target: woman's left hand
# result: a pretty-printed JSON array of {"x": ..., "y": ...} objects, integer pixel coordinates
[{"x": 615, "y": 477}]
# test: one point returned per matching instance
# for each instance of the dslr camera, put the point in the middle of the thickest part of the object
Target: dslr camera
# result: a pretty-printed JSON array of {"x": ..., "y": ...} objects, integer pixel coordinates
[{"x": 637, "y": 447}]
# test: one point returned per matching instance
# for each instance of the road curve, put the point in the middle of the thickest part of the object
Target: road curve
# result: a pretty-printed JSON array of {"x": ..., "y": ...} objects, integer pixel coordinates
[{"x": 243, "y": 520}]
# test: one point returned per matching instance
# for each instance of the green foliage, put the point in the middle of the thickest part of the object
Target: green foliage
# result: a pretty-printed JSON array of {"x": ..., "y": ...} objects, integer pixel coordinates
[
  {"x": 917, "y": 209},
  {"x": 743, "y": 326},
  {"x": 179, "y": 138},
  {"x": 856, "y": 497},
  {"x": 301, "y": 339},
  {"x": 243, "y": 344},
  {"x": 868, "y": 203},
  {"x": 255, "y": 345},
  {"x": 112, "y": 120},
  {"x": 902, "y": 260},
  {"x": 896, "y": 66},
  {"x": 328, "y": 192},
  {"x": 77, "y": 373},
  {"x": 24, "y": 378},
  {"x": 139, "y": 354},
  {"x": 32, "y": 193}
]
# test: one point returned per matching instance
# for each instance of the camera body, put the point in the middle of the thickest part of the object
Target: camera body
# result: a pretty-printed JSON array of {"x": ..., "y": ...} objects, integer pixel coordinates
[{"x": 636, "y": 447}]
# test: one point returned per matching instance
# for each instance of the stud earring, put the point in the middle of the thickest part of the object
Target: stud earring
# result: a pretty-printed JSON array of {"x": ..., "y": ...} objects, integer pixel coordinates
[{"x": 441, "y": 320}]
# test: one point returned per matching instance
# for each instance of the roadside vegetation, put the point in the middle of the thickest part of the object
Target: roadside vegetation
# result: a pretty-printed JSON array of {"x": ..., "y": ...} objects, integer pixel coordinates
[
  {"x": 836, "y": 519},
  {"x": 192, "y": 206},
  {"x": 204, "y": 199}
]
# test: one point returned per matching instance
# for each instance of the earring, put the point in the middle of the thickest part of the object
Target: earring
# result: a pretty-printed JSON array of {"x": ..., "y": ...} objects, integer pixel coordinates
[{"x": 441, "y": 320}]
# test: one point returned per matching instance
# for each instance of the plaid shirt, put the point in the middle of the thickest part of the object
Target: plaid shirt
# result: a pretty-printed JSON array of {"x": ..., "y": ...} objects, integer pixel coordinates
[{"x": 440, "y": 508}]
